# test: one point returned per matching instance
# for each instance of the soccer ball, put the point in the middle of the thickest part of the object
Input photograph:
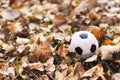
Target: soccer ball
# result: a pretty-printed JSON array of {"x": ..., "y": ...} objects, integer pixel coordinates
[{"x": 84, "y": 43}]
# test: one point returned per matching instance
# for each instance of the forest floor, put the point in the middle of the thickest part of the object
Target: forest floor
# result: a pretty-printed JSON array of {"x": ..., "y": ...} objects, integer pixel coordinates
[{"x": 35, "y": 36}]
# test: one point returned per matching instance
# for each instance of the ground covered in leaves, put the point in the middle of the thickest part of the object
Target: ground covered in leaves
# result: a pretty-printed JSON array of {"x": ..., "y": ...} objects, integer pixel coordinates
[{"x": 35, "y": 36}]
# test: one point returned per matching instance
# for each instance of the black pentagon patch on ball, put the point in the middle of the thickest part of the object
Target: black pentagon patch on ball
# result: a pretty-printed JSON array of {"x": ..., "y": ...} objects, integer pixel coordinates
[
  {"x": 79, "y": 50},
  {"x": 93, "y": 48},
  {"x": 83, "y": 35}
]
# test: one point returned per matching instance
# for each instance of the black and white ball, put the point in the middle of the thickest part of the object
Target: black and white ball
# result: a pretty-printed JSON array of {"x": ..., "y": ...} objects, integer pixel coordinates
[{"x": 84, "y": 43}]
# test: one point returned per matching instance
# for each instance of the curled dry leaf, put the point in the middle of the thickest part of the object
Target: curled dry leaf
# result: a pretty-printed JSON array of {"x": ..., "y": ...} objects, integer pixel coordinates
[
  {"x": 50, "y": 67},
  {"x": 92, "y": 15},
  {"x": 91, "y": 59},
  {"x": 5, "y": 69},
  {"x": 1, "y": 55},
  {"x": 59, "y": 75},
  {"x": 59, "y": 19},
  {"x": 110, "y": 32},
  {"x": 106, "y": 51},
  {"x": 9, "y": 31},
  {"x": 98, "y": 32},
  {"x": 43, "y": 52},
  {"x": 63, "y": 65},
  {"x": 22, "y": 40},
  {"x": 20, "y": 48},
  {"x": 79, "y": 70},
  {"x": 108, "y": 42},
  {"x": 10, "y": 14},
  {"x": 116, "y": 40},
  {"x": 61, "y": 50},
  {"x": 115, "y": 19},
  {"x": 2, "y": 35},
  {"x": 94, "y": 73},
  {"x": 49, "y": 61},
  {"x": 86, "y": 5},
  {"x": 116, "y": 76},
  {"x": 37, "y": 66},
  {"x": 59, "y": 36},
  {"x": 8, "y": 47},
  {"x": 23, "y": 48},
  {"x": 15, "y": 6},
  {"x": 43, "y": 77},
  {"x": 18, "y": 27}
]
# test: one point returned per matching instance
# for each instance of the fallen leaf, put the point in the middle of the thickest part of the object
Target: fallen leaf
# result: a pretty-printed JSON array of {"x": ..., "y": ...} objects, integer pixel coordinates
[
  {"x": 115, "y": 19},
  {"x": 5, "y": 69},
  {"x": 59, "y": 19},
  {"x": 116, "y": 76},
  {"x": 108, "y": 42},
  {"x": 21, "y": 41},
  {"x": 61, "y": 50},
  {"x": 98, "y": 33},
  {"x": 50, "y": 67},
  {"x": 8, "y": 47},
  {"x": 37, "y": 66},
  {"x": 10, "y": 14},
  {"x": 43, "y": 77},
  {"x": 94, "y": 73},
  {"x": 91, "y": 59},
  {"x": 107, "y": 51},
  {"x": 15, "y": 6},
  {"x": 59, "y": 75},
  {"x": 78, "y": 70},
  {"x": 43, "y": 52},
  {"x": 92, "y": 15}
]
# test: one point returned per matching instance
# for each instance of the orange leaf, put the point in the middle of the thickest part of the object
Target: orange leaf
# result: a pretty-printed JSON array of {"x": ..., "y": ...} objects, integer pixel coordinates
[
  {"x": 59, "y": 18},
  {"x": 115, "y": 19},
  {"x": 98, "y": 33},
  {"x": 43, "y": 52},
  {"x": 15, "y": 6},
  {"x": 108, "y": 42},
  {"x": 92, "y": 15},
  {"x": 32, "y": 17},
  {"x": 116, "y": 36}
]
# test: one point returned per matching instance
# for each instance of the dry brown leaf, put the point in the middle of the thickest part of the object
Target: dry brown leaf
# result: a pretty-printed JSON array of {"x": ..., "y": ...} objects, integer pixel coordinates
[
  {"x": 10, "y": 31},
  {"x": 78, "y": 70},
  {"x": 98, "y": 32},
  {"x": 15, "y": 6},
  {"x": 43, "y": 52},
  {"x": 43, "y": 77},
  {"x": 115, "y": 19},
  {"x": 92, "y": 15},
  {"x": 50, "y": 67},
  {"x": 59, "y": 75},
  {"x": 116, "y": 36},
  {"x": 59, "y": 19},
  {"x": 59, "y": 36},
  {"x": 108, "y": 42},
  {"x": 5, "y": 69},
  {"x": 61, "y": 50},
  {"x": 94, "y": 73},
  {"x": 91, "y": 59},
  {"x": 116, "y": 76},
  {"x": 37, "y": 66},
  {"x": 8, "y": 47},
  {"x": 10, "y": 14},
  {"x": 106, "y": 51},
  {"x": 22, "y": 40},
  {"x": 116, "y": 40},
  {"x": 117, "y": 61}
]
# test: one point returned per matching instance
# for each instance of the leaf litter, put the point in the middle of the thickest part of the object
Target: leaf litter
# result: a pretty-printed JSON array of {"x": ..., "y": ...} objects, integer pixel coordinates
[{"x": 35, "y": 35}]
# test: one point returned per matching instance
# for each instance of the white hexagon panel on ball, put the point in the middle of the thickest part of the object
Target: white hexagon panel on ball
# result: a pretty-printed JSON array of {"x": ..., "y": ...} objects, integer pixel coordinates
[{"x": 84, "y": 43}]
